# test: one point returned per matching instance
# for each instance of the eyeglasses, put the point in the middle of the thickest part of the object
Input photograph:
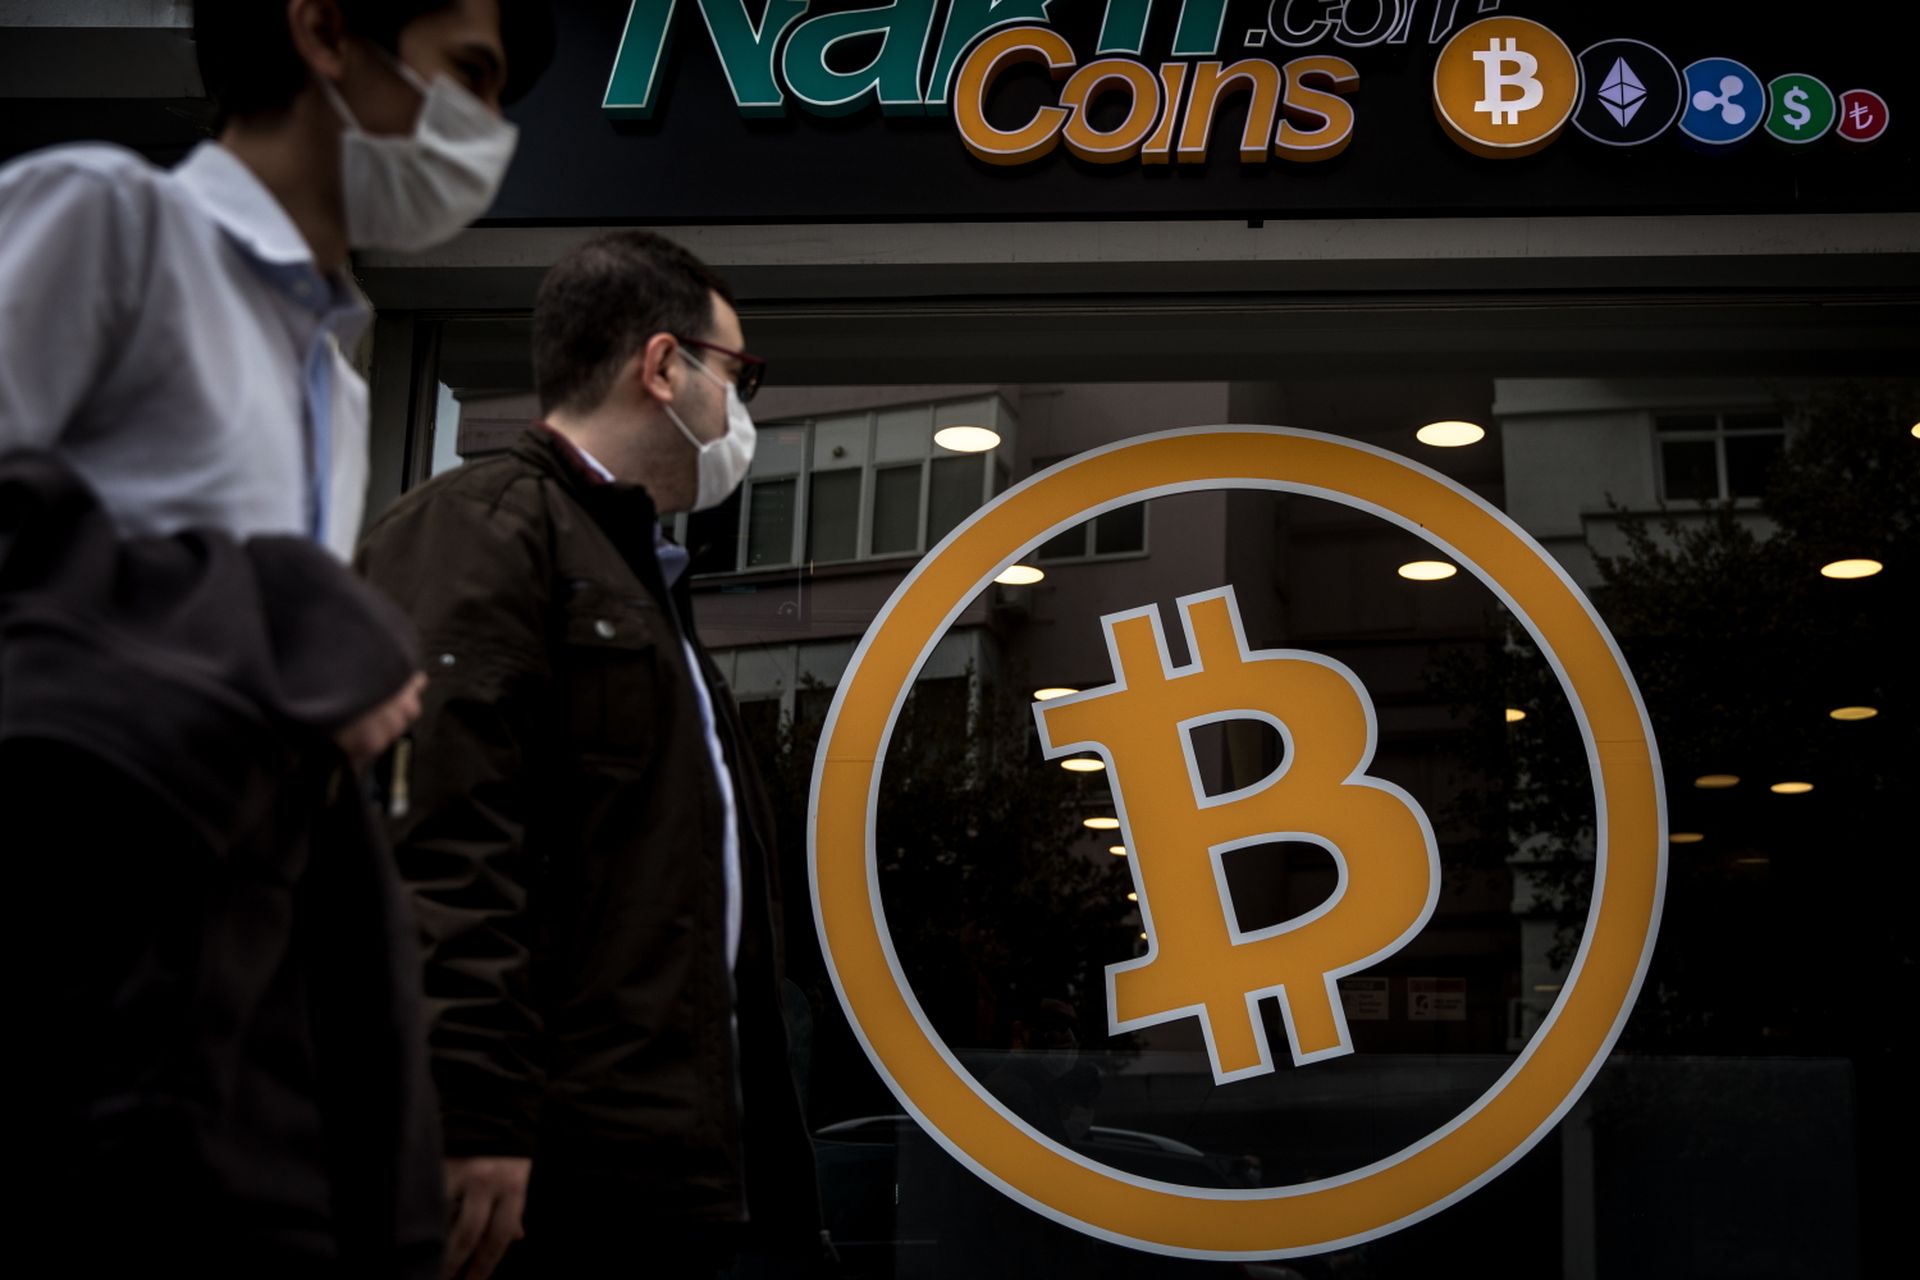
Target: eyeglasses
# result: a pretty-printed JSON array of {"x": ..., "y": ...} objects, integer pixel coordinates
[{"x": 752, "y": 368}]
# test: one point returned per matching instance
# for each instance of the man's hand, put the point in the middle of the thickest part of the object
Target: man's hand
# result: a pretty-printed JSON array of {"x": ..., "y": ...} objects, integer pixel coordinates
[
  {"x": 487, "y": 1195},
  {"x": 378, "y": 729}
]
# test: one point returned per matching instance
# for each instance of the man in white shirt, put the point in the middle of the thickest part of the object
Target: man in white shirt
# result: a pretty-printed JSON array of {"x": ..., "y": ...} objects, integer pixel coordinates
[{"x": 176, "y": 338}]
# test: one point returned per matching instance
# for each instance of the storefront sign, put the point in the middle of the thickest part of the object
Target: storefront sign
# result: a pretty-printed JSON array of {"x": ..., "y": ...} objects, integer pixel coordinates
[
  {"x": 1201, "y": 964},
  {"x": 661, "y": 110}
]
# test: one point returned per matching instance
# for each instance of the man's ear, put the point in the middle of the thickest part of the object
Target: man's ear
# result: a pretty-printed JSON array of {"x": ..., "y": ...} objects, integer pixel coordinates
[
  {"x": 655, "y": 365},
  {"x": 319, "y": 34}
]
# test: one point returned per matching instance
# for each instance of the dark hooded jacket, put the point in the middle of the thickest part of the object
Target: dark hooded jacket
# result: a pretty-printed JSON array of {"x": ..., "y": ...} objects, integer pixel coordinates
[{"x": 226, "y": 972}]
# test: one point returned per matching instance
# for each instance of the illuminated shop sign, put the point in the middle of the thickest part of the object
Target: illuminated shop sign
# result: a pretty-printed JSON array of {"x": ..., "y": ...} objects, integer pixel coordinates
[{"x": 1149, "y": 84}]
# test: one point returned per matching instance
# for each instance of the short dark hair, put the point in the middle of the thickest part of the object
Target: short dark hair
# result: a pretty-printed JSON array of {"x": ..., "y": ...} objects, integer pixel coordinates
[
  {"x": 601, "y": 303},
  {"x": 250, "y": 69}
]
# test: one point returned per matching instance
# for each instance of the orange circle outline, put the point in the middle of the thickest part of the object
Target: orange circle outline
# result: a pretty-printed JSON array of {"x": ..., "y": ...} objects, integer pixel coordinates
[{"x": 1506, "y": 1121}]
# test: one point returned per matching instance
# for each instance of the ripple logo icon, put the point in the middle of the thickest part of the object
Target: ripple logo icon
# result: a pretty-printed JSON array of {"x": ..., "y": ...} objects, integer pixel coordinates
[
  {"x": 1633, "y": 96},
  {"x": 1505, "y": 87},
  {"x": 1725, "y": 102}
]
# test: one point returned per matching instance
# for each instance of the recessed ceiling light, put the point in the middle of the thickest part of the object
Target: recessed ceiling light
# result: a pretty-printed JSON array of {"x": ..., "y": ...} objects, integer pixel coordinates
[
  {"x": 1716, "y": 781},
  {"x": 1019, "y": 575},
  {"x": 1083, "y": 764},
  {"x": 1685, "y": 837},
  {"x": 1117, "y": 850},
  {"x": 1861, "y": 568},
  {"x": 1914, "y": 431},
  {"x": 1791, "y": 788},
  {"x": 1854, "y": 713},
  {"x": 1451, "y": 434},
  {"x": 1515, "y": 715},
  {"x": 1101, "y": 824},
  {"x": 1133, "y": 897},
  {"x": 1143, "y": 935},
  {"x": 967, "y": 439},
  {"x": 1426, "y": 570},
  {"x": 1051, "y": 692}
]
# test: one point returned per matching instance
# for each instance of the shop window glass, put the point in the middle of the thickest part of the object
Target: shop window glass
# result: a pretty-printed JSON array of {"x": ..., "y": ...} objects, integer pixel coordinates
[
  {"x": 833, "y": 516},
  {"x": 1121, "y": 531},
  {"x": 896, "y": 510},
  {"x": 713, "y": 536},
  {"x": 770, "y": 518},
  {"x": 954, "y": 495},
  {"x": 1749, "y": 1119}
]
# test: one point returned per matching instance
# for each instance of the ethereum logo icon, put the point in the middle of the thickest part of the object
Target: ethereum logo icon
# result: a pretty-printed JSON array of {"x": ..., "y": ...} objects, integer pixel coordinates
[{"x": 1622, "y": 94}]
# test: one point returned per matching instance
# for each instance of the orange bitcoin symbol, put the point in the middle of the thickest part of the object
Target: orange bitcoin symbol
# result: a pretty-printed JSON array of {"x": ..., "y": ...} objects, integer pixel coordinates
[{"x": 1202, "y": 963}]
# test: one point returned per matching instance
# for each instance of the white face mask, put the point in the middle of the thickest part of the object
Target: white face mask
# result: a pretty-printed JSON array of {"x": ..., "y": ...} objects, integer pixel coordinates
[
  {"x": 412, "y": 191},
  {"x": 723, "y": 462}
]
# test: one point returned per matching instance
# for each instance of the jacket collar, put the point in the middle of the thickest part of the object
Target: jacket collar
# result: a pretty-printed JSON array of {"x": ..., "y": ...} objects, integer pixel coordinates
[{"x": 624, "y": 513}]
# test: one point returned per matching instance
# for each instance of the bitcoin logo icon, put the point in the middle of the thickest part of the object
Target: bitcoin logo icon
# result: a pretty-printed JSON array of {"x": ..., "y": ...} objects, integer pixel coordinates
[
  {"x": 1321, "y": 794},
  {"x": 1503, "y": 109},
  {"x": 1505, "y": 87},
  {"x": 1202, "y": 962}
]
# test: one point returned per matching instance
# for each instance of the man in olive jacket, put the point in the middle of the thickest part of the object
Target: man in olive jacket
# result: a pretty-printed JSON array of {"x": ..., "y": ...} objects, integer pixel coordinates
[{"x": 585, "y": 840}]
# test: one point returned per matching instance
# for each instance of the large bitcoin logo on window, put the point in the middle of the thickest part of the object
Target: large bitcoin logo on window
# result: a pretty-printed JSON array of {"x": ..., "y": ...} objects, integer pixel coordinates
[
  {"x": 1204, "y": 964},
  {"x": 1202, "y": 960}
]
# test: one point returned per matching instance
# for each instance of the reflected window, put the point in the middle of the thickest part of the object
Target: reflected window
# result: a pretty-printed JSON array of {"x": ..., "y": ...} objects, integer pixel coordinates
[
  {"x": 1121, "y": 532},
  {"x": 1706, "y": 457},
  {"x": 853, "y": 486}
]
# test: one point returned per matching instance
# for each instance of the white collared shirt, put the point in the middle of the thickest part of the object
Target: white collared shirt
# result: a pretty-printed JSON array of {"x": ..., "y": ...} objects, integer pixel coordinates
[{"x": 167, "y": 334}]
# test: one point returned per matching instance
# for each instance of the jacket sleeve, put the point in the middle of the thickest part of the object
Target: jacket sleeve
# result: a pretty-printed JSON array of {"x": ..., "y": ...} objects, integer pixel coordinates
[
  {"x": 474, "y": 578},
  {"x": 70, "y": 240}
]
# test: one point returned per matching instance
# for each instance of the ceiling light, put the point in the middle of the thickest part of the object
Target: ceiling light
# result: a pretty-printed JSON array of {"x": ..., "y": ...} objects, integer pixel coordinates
[
  {"x": 967, "y": 439},
  {"x": 1133, "y": 897},
  {"x": 1426, "y": 570},
  {"x": 1851, "y": 569},
  {"x": 1914, "y": 431},
  {"x": 1685, "y": 837},
  {"x": 1101, "y": 824},
  {"x": 1083, "y": 764},
  {"x": 1515, "y": 715},
  {"x": 1791, "y": 788},
  {"x": 1545, "y": 988},
  {"x": 1143, "y": 935},
  {"x": 1051, "y": 692},
  {"x": 1750, "y": 862},
  {"x": 1451, "y": 434},
  {"x": 1019, "y": 575},
  {"x": 1716, "y": 781},
  {"x": 1117, "y": 850},
  {"x": 1854, "y": 713}
]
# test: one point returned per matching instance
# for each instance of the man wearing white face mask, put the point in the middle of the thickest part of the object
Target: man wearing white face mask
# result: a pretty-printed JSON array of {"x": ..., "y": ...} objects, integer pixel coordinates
[
  {"x": 173, "y": 341},
  {"x": 586, "y": 840}
]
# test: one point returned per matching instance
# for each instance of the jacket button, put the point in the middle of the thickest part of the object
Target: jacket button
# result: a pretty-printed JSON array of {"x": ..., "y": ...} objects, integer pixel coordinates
[{"x": 603, "y": 629}]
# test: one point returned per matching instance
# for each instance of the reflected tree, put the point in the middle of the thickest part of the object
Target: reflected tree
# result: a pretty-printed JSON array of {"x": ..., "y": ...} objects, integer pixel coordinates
[
  {"x": 995, "y": 899},
  {"x": 1787, "y": 921}
]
